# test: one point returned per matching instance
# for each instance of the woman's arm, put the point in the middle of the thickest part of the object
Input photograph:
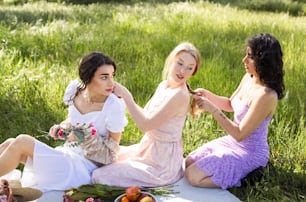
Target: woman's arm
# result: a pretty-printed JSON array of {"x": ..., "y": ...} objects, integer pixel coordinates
[
  {"x": 223, "y": 103},
  {"x": 54, "y": 129},
  {"x": 260, "y": 108},
  {"x": 171, "y": 106},
  {"x": 115, "y": 136}
]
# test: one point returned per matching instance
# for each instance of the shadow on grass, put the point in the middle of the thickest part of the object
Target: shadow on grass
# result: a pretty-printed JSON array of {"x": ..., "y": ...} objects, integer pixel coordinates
[
  {"x": 12, "y": 18},
  {"x": 276, "y": 185},
  {"x": 294, "y": 8}
]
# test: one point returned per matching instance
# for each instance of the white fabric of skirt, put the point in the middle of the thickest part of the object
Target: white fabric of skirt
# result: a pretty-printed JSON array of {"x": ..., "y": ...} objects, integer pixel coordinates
[{"x": 57, "y": 168}]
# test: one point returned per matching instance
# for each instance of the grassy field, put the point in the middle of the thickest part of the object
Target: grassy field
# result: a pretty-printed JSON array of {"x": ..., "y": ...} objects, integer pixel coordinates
[{"x": 42, "y": 43}]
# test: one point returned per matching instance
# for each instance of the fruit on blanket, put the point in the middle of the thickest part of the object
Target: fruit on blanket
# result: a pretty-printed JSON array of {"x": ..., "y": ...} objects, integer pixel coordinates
[
  {"x": 145, "y": 198},
  {"x": 124, "y": 199},
  {"x": 132, "y": 193}
]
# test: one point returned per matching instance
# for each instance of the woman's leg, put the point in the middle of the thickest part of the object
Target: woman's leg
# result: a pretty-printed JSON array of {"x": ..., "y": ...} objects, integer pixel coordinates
[
  {"x": 17, "y": 151},
  {"x": 188, "y": 161},
  {"x": 196, "y": 177},
  {"x": 5, "y": 144}
]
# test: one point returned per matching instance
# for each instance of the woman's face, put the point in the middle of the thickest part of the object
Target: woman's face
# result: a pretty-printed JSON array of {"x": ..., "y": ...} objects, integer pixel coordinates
[
  {"x": 249, "y": 63},
  {"x": 182, "y": 68},
  {"x": 102, "y": 82}
]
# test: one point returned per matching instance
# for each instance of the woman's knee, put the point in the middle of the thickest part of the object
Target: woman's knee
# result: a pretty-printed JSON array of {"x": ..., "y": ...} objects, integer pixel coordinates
[
  {"x": 191, "y": 176},
  {"x": 23, "y": 138},
  {"x": 25, "y": 142},
  {"x": 188, "y": 161}
]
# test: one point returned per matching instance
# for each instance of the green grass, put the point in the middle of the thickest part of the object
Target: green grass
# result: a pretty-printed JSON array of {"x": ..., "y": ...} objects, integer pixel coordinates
[{"x": 41, "y": 44}]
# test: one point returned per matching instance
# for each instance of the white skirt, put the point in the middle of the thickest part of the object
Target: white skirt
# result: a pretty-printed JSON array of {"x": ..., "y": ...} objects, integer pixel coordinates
[{"x": 57, "y": 168}]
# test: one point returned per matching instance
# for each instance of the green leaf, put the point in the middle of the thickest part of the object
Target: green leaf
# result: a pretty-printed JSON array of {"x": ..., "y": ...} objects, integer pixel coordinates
[
  {"x": 95, "y": 190},
  {"x": 106, "y": 192},
  {"x": 81, "y": 196},
  {"x": 80, "y": 135}
]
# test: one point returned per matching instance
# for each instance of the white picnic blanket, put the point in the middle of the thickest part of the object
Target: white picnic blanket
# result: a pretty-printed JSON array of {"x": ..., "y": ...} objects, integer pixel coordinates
[{"x": 187, "y": 193}]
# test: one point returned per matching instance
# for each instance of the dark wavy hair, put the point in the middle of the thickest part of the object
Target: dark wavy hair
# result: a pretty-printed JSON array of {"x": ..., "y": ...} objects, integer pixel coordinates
[
  {"x": 268, "y": 57},
  {"x": 89, "y": 65}
]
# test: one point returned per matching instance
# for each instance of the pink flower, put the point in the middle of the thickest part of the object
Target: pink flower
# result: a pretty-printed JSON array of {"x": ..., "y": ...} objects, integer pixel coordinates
[
  {"x": 79, "y": 130},
  {"x": 93, "y": 131},
  {"x": 90, "y": 200},
  {"x": 60, "y": 133}
]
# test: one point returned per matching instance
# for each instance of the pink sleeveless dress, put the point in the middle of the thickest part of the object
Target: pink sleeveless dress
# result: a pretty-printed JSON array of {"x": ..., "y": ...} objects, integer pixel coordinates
[
  {"x": 155, "y": 161},
  {"x": 228, "y": 161}
]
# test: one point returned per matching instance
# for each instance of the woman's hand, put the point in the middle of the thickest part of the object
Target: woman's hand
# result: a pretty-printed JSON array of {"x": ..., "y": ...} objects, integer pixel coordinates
[
  {"x": 201, "y": 92},
  {"x": 204, "y": 104},
  {"x": 53, "y": 131},
  {"x": 72, "y": 137},
  {"x": 120, "y": 90},
  {"x": 88, "y": 137}
]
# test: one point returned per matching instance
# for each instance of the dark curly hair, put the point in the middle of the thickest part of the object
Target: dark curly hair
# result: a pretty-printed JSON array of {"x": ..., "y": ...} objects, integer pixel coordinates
[
  {"x": 89, "y": 65},
  {"x": 268, "y": 57}
]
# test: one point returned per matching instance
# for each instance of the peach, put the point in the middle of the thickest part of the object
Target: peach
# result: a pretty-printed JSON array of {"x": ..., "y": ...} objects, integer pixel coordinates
[
  {"x": 124, "y": 199},
  {"x": 132, "y": 193}
]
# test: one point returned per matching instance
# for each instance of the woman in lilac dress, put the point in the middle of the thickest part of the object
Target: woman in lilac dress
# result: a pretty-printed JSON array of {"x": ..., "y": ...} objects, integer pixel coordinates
[{"x": 225, "y": 161}]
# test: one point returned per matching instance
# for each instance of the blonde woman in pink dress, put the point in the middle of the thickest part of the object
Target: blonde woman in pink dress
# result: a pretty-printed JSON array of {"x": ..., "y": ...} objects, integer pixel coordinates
[{"x": 157, "y": 159}]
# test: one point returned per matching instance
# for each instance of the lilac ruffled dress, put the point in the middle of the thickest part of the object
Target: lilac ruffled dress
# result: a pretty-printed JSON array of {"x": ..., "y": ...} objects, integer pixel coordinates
[{"x": 228, "y": 161}]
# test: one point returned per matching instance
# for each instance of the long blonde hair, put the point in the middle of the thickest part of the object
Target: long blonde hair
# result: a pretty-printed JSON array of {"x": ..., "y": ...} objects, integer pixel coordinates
[
  {"x": 192, "y": 50},
  {"x": 182, "y": 47}
]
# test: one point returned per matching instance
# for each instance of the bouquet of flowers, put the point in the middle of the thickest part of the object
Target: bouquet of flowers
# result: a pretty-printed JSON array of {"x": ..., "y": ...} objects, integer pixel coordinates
[
  {"x": 100, "y": 150},
  {"x": 81, "y": 131}
]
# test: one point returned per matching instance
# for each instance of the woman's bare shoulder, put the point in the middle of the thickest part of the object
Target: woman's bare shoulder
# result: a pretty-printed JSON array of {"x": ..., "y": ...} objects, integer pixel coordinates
[{"x": 267, "y": 97}]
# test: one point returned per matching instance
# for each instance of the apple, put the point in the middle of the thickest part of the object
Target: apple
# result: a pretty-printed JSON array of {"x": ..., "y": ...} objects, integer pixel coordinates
[
  {"x": 124, "y": 199},
  {"x": 145, "y": 198},
  {"x": 132, "y": 193}
]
